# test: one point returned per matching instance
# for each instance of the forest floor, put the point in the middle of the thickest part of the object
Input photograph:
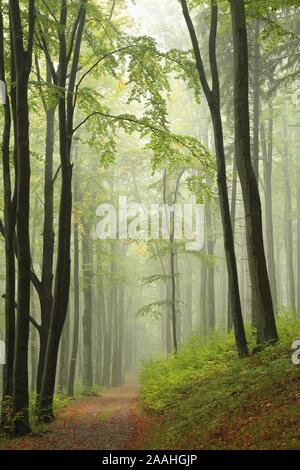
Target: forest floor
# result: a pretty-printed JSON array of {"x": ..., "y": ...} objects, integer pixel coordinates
[
  {"x": 208, "y": 398},
  {"x": 204, "y": 398},
  {"x": 112, "y": 421}
]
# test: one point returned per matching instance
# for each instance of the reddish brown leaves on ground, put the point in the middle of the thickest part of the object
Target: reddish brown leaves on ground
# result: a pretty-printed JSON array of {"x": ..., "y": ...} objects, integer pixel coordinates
[{"x": 111, "y": 421}]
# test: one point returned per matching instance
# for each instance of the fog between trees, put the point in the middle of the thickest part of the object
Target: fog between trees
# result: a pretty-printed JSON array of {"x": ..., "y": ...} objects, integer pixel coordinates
[{"x": 162, "y": 103}]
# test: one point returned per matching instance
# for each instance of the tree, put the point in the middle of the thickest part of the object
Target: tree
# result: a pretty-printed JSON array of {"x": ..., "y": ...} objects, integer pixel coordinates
[
  {"x": 213, "y": 101},
  {"x": 66, "y": 106},
  {"x": 23, "y": 62},
  {"x": 267, "y": 154},
  {"x": 265, "y": 321},
  {"x": 8, "y": 230}
]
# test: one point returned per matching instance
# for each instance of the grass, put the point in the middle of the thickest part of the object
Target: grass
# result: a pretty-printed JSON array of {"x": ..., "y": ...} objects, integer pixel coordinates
[{"x": 207, "y": 398}]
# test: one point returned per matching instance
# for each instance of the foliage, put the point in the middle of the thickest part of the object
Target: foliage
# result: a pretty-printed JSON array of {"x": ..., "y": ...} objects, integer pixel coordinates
[{"x": 206, "y": 390}]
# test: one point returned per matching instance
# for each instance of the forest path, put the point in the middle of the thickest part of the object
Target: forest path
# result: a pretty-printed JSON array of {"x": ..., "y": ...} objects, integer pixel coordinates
[{"x": 110, "y": 421}]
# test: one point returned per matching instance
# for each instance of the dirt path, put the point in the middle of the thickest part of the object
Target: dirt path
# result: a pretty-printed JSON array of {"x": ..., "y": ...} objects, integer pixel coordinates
[{"x": 111, "y": 421}]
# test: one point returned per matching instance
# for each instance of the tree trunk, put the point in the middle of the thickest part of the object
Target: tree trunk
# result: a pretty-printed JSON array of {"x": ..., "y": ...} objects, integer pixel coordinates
[
  {"x": 33, "y": 333},
  {"x": 121, "y": 307},
  {"x": 66, "y": 106},
  {"x": 213, "y": 100},
  {"x": 255, "y": 154},
  {"x": 256, "y": 100},
  {"x": 9, "y": 210},
  {"x": 88, "y": 309},
  {"x": 288, "y": 225},
  {"x": 62, "y": 376},
  {"x": 266, "y": 327},
  {"x": 188, "y": 317},
  {"x": 298, "y": 220},
  {"x": 202, "y": 303},
  {"x": 108, "y": 324},
  {"x": 23, "y": 61},
  {"x": 100, "y": 330},
  {"x": 267, "y": 153},
  {"x": 211, "y": 307},
  {"x": 233, "y": 215},
  {"x": 46, "y": 297},
  {"x": 75, "y": 340}
]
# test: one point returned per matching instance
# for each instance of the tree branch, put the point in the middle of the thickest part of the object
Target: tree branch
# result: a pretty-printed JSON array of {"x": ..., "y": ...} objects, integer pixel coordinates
[
  {"x": 135, "y": 121},
  {"x": 95, "y": 65},
  {"x": 197, "y": 51}
]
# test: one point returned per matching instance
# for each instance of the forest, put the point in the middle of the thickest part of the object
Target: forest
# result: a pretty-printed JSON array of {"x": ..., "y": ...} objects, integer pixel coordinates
[{"x": 149, "y": 224}]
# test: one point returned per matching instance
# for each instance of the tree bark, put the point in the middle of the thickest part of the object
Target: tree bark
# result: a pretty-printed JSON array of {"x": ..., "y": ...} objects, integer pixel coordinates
[
  {"x": 62, "y": 376},
  {"x": 298, "y": 220},
  {"x": 87, "y": 310},
  {"x": 288, "y": 225},
  {"x": 75, "y": 339},
  {"x": 202, "y": 299},
  {"x": 23, "y": 62},
  {"x": 9, "y": 210},
  {"x": 213, "y": 100},
  {"x": 34, "y": 331},
  {"x": 267, "y": 153},
  {"x": 46, "y": 296},
  {"x": 266, "y": 327},
  {"x": 211, "y": 303},
  {"x": 255, "y": 154},
  {"x": 66, "y": 106}
]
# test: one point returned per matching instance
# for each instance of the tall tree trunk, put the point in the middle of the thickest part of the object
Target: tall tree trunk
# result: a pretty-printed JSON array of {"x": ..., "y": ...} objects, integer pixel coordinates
[
  {"x": 202, "y": 303},
  {"x": 87, "y": 309},
  {"x": 213, "y": 100},
  {"x": 288, "y": 225},
  {"x": 121, "y": 308},
  {"x": 211, "y": 307},
  {"x": 233, "y": 216},
  {"x": 188, "y": 316},
  {"x": 279, "y": 273},
  {"x": 267, "y": 153},
  {"x": 266, "y": 327},
  {"x": 108, "y": 323},
  {"x": 298, "y": 220},
  {"x": 23, "y": 62},
  {"x": 75, "y": 336},
  {"x": 33, "y": 333},
  {"x": 66, "y": 106},
  {"x": 62, "y": 376},
  {"x": 9, "y": 209},
  {"x": 106, "y": 347},
  {"x": 46, "y": 297},
  {"x": 100, "y": 330},
  {"x": 256, "y": 99},
  {"x": 255, "y": 153}
]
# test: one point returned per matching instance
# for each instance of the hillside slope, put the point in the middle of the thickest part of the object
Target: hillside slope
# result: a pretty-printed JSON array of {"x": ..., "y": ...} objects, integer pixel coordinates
[{"x": 207, "y": 398}]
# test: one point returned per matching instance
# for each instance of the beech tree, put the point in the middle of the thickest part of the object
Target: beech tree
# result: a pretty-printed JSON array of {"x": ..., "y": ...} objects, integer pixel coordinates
[
  {"x": 265, "y": 321},
  {"x": 213, "y": 100}
]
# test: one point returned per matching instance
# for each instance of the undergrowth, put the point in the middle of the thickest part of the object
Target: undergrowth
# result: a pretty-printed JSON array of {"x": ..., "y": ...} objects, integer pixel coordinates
[{"x": 206, "y": 397}]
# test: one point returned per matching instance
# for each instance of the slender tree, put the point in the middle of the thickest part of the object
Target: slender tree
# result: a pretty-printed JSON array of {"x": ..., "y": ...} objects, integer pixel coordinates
[
  {"x": 265, "y": 321},
  {"x": 267, "y": 154},
  {"x": 8, "y": 230},
  {"x": 75, "y": 335},
  {"x": 66, "y": 107},
  {"x": 88, "y": 307},
  {"x": 213, "y": 101},
  {"x": 23, "y": 63}
]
